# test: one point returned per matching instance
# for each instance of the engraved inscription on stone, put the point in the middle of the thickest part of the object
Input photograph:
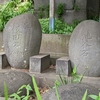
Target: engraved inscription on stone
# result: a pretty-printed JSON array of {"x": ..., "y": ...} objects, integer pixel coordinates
[
  {"x": 84, "y": 48},
  {"x": 22, "y": 39},
  {"x": 86, "y": 45}
]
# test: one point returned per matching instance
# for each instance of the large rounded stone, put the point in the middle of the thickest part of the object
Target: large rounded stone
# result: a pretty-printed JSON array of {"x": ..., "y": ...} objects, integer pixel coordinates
[
  {"x": 22, "y": 39},
  {"x": 84, "y": 48},
  {"x": 14, "y": 80},
  {"x": 70, "y": 92}
]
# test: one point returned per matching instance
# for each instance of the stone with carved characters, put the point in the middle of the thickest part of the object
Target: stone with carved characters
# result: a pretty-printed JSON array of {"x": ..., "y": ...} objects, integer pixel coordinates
[
  {"x": 84, "y": 48},
  {"x": 22, "y": 39}
]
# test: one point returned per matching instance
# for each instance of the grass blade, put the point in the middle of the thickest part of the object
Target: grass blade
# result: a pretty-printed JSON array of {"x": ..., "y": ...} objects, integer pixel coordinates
[
  {"x": 57, "y": 94},
  {"x": 85, "y": 95},
  {"x": 5, "y": 91},
  {"x": 36, "y": 89}
]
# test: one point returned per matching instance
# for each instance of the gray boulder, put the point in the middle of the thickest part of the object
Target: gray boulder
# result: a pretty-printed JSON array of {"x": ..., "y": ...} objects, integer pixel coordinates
[
  {"x": 14, "y": 80},
  {"x": 22, "y": 39},
  {"x": 70, "y": 92},
  {"x": 84, "y": 48}
]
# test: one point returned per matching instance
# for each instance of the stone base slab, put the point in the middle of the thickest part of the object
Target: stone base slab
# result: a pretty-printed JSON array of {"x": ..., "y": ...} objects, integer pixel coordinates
[{"x": 48, "y": 78}]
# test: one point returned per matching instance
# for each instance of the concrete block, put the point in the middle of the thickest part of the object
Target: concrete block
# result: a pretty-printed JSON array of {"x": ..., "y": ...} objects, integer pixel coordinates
[
  {"x": 39, "y": 63},
  {"x": 82, "y": 4},
  {"x": 3, "y": 60},
  {"x": 40, "y": 3},
  {"x": 58, "y": 47},
  {"x": 71, "y": 15},
  {"x": 63, "y": 66},
  {"x": 69, "y": 4}
]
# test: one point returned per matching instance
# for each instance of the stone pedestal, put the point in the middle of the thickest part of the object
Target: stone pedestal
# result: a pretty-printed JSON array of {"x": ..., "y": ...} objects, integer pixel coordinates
[
  {"x": 39, "y": 63},
  {"x": 63, "y": 66}
]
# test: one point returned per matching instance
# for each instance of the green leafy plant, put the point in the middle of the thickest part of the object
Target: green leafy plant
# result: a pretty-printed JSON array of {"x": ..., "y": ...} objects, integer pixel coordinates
[
  {"x": 47, "y": 10},
  {"x": 60, "y": 26},
  {"x": 60, "y": 10},
  {"x": 13, "y": 8},
  {"x": 24, "y": 97},
  {"x": 95, "y": 97},
  {"x": 63, "y": 79},
  {"x": 85, "y": 96},
  {"x": 93, "y": 17},
  {"x": 76, "y": 78},
  {"x": 57, "y": 83},
  {"x": 43, "y": 11},
  {"x": 76, "y": 7}
]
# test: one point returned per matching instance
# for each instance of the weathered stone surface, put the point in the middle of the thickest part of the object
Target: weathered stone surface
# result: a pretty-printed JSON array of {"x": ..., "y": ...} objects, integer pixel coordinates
[
  {"x": 14, "y": 80},
  {"x": 39, "y": 63},
  {"x": 63, "y": 66},
  {"x": 22, "y": 39},
  {"x": 70, "y": 92},
  {"x": 84, "y": 48}
]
